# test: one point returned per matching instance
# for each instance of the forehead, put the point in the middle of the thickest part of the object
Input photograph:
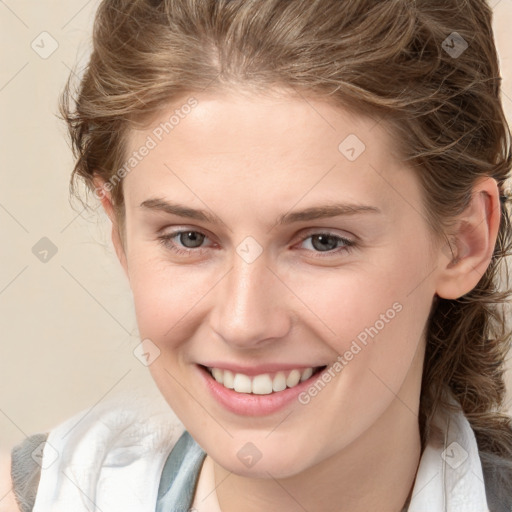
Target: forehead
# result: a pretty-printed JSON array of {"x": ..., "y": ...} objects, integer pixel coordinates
[
  {"x": 221, "y": 120},
  {"x": 280, "y": 147}
]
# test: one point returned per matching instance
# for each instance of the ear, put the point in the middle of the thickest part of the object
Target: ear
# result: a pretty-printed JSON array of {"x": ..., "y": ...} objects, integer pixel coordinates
[
  {"x": 102, "y": 192},
  {"x": 472, "y": 242}
]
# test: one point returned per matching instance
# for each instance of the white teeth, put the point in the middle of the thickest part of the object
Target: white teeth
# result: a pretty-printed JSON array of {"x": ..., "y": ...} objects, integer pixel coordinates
[
  {"x": 279, "y": 382},
  {"x": 242, "y": 383},
  {"x": 260, "y": 384},
  {"x": 293, "y": 379},
  {"x": 218, "y": 375},
  {"x": 227, "y": 381},
  {"x": 306, "y": 374}
]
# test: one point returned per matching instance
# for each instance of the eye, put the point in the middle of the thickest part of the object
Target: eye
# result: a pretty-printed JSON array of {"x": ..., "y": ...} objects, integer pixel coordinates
[
  {"x": 329, "y": 243},
  {"x": 190, "y": 241},
  {"x": 186, "y": 242}
]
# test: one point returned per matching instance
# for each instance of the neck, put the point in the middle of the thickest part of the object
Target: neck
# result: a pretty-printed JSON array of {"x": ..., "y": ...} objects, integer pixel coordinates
[{"x": 375, "y": 472}]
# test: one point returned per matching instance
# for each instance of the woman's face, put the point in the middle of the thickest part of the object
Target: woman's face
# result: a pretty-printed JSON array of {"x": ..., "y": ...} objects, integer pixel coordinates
[{"x": 304, "y": 245}]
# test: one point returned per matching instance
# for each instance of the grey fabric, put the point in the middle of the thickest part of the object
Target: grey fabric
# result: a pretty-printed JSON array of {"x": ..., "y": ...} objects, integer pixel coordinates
[
  {"x": 498, "y": 481},
  {"x": 25, "y": 471},
  {"x": 179, "y": 476}
]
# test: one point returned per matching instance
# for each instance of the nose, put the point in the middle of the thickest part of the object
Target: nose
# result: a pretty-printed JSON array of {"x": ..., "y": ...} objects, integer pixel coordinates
[{"x": 250, "y": 307}]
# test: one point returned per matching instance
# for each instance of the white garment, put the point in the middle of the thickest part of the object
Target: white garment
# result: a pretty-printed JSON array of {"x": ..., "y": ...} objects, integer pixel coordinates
[
  {"x": 111, "y": 458},
  {"x": 450, "y": 477}
]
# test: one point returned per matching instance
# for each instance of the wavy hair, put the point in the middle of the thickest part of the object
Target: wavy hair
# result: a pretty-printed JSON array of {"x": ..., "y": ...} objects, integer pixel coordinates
[{"x": 427, "y": 69}]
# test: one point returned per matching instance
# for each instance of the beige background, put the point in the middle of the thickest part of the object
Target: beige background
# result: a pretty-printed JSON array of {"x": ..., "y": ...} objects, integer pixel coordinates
[{"x": 68, "y": 328}]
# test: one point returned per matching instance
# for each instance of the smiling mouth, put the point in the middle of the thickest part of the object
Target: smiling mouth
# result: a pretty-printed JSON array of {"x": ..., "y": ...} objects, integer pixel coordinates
[{"x": 265, "y": 383}]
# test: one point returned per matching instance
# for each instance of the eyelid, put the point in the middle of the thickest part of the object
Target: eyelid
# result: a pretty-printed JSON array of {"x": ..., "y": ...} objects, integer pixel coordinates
[
  {"x": 171, "y": 231},
  {"x": 347, "y": 246},
  {"x": 327, "y": 231}
]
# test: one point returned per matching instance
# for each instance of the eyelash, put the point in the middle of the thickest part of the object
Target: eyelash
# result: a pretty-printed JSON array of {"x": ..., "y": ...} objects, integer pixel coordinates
[{"x": 165, "y": 240}]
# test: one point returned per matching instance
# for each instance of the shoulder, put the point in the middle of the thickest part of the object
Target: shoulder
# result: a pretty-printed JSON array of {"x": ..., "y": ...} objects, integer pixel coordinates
[
  {"x": 8, "y": 501},
  {"x": 120, "y": 444},
  {"x": 497, "y": 472},
  {"x": 21, "y": 472}
]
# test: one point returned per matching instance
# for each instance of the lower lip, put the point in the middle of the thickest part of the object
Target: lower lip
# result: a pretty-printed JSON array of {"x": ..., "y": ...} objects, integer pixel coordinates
[{"x": 248, "y": 404}]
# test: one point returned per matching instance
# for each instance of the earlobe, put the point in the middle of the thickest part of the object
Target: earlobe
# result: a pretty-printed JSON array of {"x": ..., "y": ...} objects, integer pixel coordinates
[{"x": 465, "y": 259}]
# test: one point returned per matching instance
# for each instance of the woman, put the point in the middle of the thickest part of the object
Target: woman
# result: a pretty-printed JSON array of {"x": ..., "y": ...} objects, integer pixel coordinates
[{"x": 308, "y": 199}]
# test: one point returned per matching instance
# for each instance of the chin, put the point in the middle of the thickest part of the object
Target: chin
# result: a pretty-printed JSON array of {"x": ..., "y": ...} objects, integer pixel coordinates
[
  {"x": 265, "y": 471},
  {"x": 274, "y": 465}
]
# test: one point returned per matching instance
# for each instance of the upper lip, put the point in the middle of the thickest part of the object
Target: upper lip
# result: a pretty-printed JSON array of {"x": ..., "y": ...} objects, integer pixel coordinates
[{"x": 258, "y": 369}]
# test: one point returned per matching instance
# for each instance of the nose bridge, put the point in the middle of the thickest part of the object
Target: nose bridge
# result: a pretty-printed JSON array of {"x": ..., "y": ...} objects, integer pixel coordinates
[{"x": 248, "y": 309}]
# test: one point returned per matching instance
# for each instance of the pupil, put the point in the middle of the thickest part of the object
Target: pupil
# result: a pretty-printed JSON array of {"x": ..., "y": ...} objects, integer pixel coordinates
[
  {"x": 323, "y": 245},
  {"x": 193, "y": 236}
]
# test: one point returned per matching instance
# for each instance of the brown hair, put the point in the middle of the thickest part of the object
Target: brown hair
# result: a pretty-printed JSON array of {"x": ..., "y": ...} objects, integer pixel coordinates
[{"x": 427, "y": 69}]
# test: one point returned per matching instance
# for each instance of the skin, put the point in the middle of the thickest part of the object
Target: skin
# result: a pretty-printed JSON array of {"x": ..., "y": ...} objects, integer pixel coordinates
[
  {"x": 7, "y": 499},
  {"x": 249, "y": 159}
]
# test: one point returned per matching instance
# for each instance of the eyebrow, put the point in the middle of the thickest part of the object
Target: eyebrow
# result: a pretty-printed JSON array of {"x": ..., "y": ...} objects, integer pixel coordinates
[{"x": 312, "y": 213}]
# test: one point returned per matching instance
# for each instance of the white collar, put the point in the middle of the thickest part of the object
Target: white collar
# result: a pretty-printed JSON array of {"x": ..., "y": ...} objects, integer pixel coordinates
[
  {"x": 449, "y": 476},
  {"x": 108, "y": 458}
]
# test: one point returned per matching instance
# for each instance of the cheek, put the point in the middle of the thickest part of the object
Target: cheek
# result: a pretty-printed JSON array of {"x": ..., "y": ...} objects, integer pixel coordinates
[
  {"x": 378, "y": 327},
  {"x": 372, "y": 317},
  {"x": 345, "y": 303},
  {"x": 166, "y": 296}
]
